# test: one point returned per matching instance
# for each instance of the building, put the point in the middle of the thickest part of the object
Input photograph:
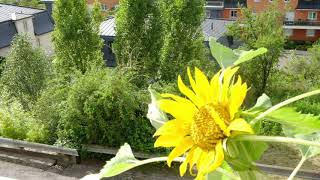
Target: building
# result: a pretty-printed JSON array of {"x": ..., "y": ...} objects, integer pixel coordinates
[
  {"x": 36, "y": 23},
  {"x": 301, "y": 17},
  {"x": 105, "y": 4},
  {"x": 224, "y": 9}
]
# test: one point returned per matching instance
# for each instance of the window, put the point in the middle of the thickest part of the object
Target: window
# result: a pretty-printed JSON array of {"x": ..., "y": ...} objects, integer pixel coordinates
[
  {"x": 208, "y": 14},
  {"x": 233, "y": 14},
  {"x": 288, "y": 32},
  {"x": 104, "y": 7},
  {"x": 310, "y": 32},
  {"x": 257, "y": 0},
  {"x": 286, "y": 1},
  {"x": 312, "y": 16}
]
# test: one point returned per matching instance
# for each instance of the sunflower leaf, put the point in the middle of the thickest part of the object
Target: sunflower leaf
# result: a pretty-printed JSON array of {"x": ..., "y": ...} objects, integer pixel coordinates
[
  {"x": 241, "y": 156},
  {"x": 123, "y": 161},
  {"x": 263, "y": 103},
  {"x": 227, "y": 57},
  {"x": 295, "y": 122},
  {"x": 223, "y": 55},
  {"x": 155, "y": 115},
  {"x": 309, "y": 151},
  {"x": 245, "y": 56},
  {"x": 219, "y": 175}
]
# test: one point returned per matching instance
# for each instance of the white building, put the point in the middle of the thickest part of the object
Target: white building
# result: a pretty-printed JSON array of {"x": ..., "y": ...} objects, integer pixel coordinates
[{"x": 36, "y": 23}]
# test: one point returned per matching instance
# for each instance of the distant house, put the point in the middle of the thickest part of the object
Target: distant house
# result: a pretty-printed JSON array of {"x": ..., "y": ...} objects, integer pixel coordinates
[
  {"x": 36, "y": 23},
  {"x": 210, "y": 27},
  {"x": 105, "y": 4}
]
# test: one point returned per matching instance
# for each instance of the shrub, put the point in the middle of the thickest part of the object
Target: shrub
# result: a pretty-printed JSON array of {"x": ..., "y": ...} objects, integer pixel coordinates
[
  {"x": 25, "y": 72},
  {"x": 14, "y": 122},
  {"x": 104, "y": 108}
]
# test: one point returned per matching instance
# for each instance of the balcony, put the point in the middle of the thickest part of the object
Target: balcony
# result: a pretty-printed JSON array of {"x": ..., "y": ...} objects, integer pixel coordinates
[
  {"x": 215, "y": 4},
  {"x": 302, "y": 24}
]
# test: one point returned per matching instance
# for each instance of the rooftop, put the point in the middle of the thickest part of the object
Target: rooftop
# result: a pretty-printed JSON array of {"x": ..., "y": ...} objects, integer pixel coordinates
[
  {"x": 7, "y": 11},
  {"x": 308, "y": 4}
]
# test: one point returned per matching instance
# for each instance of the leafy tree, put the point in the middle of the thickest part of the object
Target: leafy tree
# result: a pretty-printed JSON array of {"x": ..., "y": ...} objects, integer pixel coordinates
[
  {"x": 76, "y": 40},
  {"x": 260, "y": 30},
  {"x": 25, "y": 72},
  {"x": 139, "y": 36},
  {"x": 183, "y": 39},
  {"x": 97, "y": 16},
  {"x": 26, "y": 3}
]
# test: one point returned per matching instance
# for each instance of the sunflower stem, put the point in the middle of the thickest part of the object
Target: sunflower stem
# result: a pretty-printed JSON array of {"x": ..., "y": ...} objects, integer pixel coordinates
[
  {"x": 284, "y": 103},
  {"x": 275, "y": 139},
  {"x": 181, "y": 159},
  {"x": 296, "y": 170}
]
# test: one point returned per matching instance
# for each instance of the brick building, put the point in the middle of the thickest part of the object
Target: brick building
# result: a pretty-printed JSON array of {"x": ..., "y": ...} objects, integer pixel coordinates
[
  {"x": 301, "y": 17},
  {"x": 105, "y": 4}
]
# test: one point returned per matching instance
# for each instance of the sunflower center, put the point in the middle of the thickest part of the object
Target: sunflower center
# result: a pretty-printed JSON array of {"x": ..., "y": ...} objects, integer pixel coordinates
[{"x": 205, "y": 131}]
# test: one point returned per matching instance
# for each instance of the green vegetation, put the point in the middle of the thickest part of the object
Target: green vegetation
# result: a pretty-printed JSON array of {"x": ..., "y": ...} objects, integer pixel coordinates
[
  {"x": 139, "y": 38},
  {"x": 25, "y": 72},
  {"x": 261, "y": 30},
  {"x": 76, "y": 40},
  {"x": 26, "y": 3}
]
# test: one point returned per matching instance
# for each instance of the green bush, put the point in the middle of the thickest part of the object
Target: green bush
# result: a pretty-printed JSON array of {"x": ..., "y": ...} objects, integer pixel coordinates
[
  {"x": 25, "y": 72},
  {"x": 104, "y": 108},
  {"x": 14, "y": 122}
]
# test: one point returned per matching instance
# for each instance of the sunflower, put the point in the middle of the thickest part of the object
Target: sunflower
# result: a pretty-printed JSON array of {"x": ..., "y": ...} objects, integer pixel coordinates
[{"x": 203, "y": 120}]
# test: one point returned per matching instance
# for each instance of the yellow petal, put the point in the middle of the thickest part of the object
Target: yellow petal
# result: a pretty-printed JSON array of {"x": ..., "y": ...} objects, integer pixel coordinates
[
  {"x": 240, "y": 125},
  {"x": 168, "y": 141},
  {"x": 189, "y": 93},
  {"x": 183, "y": 146},
  {"x": 176, "y": 98},
  {"x": 173, "y": 127},
  {"x": 220, "y": 123},
  {"x": 207, "y": 161},
  {"x": 202, "y": 86},
  {"x": 183, "y": 167},
  {"x": 238, "y": 93},
  {"x": 227, "y": 77},
  {"x": 195, "y": 158},
  {"x": 182, "y": 111},
  {"x": 192, "y": 81},
  {"x": 215, "y": 88},
  {"x": 218, "y": 159}
]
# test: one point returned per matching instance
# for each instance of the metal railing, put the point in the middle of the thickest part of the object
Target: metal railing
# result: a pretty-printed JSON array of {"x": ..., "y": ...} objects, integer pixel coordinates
[
  {"x": 302, "y": 23},
  {"x": 215, "y": 4}
]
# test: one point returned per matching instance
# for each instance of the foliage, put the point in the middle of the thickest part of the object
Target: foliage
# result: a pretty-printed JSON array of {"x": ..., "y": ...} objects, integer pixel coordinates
[
  {"x": 139, "y": 37},
  {"x": 97, "y": 16},
  {"x": 76, "y": 40},
  {"x": 104, "y": 108},
  {"x": 260, "y": 30},
  {"x": 227, "y": 57},
  {"x": 183, "y": 39},
  {"x": 47, "y": 112},
  {"x": 25, "y": 73},
  {"x": 26, "y": 3},
  {"x": 14, "y": 122}
]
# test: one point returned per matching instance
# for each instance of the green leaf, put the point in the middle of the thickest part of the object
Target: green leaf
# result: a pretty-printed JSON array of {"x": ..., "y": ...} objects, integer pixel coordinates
[
  {"x": 263, "y": 103},
  {"x": 155, "y": 115},
  {"x": 219, "y": 175},
  {"x": 245, "y": 56},
  {"x": 227, "y": 57},
  {"x": 123, "y": 161},
  {"x": 294, "y": 122},
  {"x": 309, "y": 151},
  {"x": 242, "y": 154},
  {"x": 224, "y": 55}
]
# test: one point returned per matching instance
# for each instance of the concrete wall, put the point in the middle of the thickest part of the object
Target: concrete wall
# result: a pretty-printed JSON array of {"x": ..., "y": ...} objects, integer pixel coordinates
[
  {"x": 25, "y": 26},
  {"x": 4, "y": 51}
]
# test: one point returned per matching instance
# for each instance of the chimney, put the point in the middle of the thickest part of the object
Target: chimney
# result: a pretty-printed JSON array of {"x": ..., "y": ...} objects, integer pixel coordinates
[
  {"x": 49, "y": 5},
  {"x": 14, "y": 16}
]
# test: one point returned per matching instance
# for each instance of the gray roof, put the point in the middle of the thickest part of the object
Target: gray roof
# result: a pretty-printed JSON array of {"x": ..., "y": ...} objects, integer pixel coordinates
[
  {"x": 211, "y": 28},
  {"x": 107, "y": 28},
  {"x": 215, "y": 28},
  {"x": 7, "y": 10},
  {"x": 42, "y": 22}
]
